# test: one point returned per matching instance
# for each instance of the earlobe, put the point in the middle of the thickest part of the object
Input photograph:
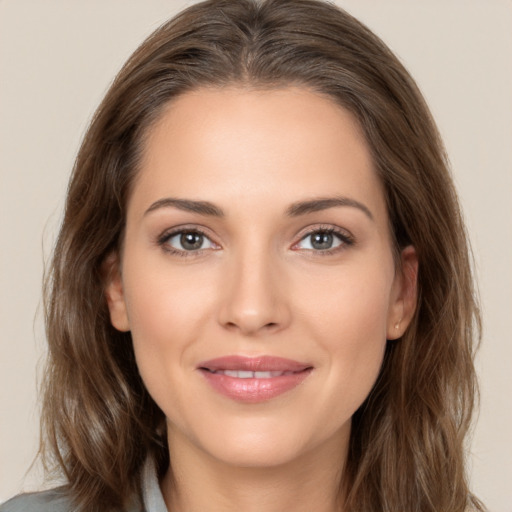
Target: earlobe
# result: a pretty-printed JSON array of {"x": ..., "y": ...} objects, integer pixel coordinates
[
  {"x": 405, "y": 294},
  {"x": 114, "y": 293}
]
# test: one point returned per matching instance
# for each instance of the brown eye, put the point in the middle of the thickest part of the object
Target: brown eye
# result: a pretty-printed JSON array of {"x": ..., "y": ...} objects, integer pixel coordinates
[
  {"x": 191, "y": 241},
  {"x": 188, "y": 241}
]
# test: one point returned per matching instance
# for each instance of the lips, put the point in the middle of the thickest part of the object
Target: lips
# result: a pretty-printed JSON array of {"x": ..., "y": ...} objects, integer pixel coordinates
[
  {"x": 254, "y": 379},
  {"x": 244, "y": 374}
]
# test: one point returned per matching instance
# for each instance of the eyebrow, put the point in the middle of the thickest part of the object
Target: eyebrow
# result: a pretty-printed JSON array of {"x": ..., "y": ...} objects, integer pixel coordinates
[
  {"x": 294, "y": 210},
  {"x": 188, "y": 205},
  {"x": 324, "y": 203}
]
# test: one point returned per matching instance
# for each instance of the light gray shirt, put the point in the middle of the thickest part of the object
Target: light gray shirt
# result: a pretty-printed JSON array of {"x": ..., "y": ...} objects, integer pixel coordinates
[
  {"x": 55, "y": 501},
  {"x": 151, "y": 493}
]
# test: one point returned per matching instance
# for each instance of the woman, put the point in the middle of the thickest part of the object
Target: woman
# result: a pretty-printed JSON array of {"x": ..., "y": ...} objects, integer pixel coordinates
[{"x": 260, "y": 298}]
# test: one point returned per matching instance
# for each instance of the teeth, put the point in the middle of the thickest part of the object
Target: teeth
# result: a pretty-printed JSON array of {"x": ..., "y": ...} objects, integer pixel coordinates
[
  {"x": 238, "y": 374},
  {"x": 263, "y": 375},
  {"x": 244, "y": 374}
]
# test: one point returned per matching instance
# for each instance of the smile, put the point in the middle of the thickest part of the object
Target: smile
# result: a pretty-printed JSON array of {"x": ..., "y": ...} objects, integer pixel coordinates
[
  {"x": 253, "y": 380},
  {"x": 243, "y": 374}
]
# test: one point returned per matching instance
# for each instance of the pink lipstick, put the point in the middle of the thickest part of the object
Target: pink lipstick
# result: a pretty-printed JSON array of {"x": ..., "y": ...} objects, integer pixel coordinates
[{"x": 253, "y": 379}]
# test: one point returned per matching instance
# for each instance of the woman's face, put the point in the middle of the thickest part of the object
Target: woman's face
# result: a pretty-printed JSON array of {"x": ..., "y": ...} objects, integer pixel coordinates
[{"x": 257, "y": 275}]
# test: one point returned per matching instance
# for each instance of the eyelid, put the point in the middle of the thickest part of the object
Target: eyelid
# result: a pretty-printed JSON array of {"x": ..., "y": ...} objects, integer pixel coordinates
[
  {"x": 167, "y": 234},
  {"x": 346, "y": 238}
]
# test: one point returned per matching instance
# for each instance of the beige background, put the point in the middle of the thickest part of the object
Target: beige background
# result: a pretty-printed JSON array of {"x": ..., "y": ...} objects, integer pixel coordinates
[{"x": 57, "y": 58}]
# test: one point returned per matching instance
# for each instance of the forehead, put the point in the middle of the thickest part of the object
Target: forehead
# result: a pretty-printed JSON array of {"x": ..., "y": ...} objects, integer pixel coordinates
[{"x": 283, "y": 145}]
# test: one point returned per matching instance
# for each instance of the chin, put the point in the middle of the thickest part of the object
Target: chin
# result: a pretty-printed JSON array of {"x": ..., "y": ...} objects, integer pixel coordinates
[
  {"x": 268, "y": 442},
  {"x": 259, "y": 453}
]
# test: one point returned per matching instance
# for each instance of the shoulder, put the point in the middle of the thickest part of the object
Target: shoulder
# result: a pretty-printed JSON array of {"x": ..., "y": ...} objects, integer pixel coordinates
[
  {"x": 47, "y": 501},
  {"x": 54, "y": 500}
]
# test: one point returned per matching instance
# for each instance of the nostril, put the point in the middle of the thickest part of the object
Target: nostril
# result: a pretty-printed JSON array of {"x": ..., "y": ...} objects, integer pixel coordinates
[{"x": 249, "y": 318}]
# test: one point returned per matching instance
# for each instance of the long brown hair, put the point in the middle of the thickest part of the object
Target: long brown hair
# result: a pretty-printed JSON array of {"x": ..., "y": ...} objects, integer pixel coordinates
[{"x": 407, "y": 444}]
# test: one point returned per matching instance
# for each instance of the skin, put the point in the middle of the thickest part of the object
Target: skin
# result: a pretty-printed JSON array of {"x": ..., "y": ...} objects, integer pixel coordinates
[{"x": 258, "y": 287}]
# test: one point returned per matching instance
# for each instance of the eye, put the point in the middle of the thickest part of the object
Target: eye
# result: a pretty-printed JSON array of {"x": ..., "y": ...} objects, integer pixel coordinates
[
  {"x": 323, "y": 240},
  {"x": 186, "y": 241}
]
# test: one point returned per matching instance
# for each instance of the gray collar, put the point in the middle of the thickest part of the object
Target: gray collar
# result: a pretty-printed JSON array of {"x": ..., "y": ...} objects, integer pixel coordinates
[{"x": 151, "y": 493}]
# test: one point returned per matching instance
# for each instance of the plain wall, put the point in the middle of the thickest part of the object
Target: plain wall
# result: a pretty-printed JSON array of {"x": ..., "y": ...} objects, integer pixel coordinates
[{"x": 57, "y": 58}]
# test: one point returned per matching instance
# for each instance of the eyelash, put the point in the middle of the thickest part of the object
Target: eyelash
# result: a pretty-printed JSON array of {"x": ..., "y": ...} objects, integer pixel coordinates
[
  {"x": 164, "y": 238},
  {"x": 345, "y": 239}
]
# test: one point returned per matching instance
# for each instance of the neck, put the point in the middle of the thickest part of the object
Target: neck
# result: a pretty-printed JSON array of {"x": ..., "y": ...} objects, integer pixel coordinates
[{"x": 196, "y": 481}]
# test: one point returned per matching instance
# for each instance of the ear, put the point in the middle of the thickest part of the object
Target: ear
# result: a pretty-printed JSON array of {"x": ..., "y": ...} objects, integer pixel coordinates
[
  {"x": 114, "y": 292},
  {"x": 404, "y": 294}
]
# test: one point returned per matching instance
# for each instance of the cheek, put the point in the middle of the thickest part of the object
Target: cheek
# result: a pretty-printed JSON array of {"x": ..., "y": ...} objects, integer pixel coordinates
[
  {"x": 350, "y": 306},
  {"x": 349, "y": 323},
  {"x": 166, "y": 312},
  {"x": 163, "y": 299}
]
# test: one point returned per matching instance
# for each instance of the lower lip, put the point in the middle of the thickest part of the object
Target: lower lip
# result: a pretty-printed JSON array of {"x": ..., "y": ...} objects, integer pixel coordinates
[{"x": 254, "y": 390}]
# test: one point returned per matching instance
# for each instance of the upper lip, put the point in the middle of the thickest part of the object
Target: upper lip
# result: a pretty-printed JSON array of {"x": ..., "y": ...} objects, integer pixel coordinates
[{"x": 254, "y": 364}]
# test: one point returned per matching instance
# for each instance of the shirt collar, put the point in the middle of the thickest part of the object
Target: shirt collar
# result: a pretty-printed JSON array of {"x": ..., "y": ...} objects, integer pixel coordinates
[{"x": 152, "y": 497}]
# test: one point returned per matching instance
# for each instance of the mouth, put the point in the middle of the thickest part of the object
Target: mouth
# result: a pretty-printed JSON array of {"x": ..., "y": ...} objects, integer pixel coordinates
[
  {"x": 254, "y": 379},
  {"x": 244, "y": 374},
  {"x": 260, "y": 364}
]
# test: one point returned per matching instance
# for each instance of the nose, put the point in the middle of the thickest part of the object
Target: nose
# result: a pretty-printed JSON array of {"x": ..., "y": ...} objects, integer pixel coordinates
[{"x": 254, "y": 299}]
